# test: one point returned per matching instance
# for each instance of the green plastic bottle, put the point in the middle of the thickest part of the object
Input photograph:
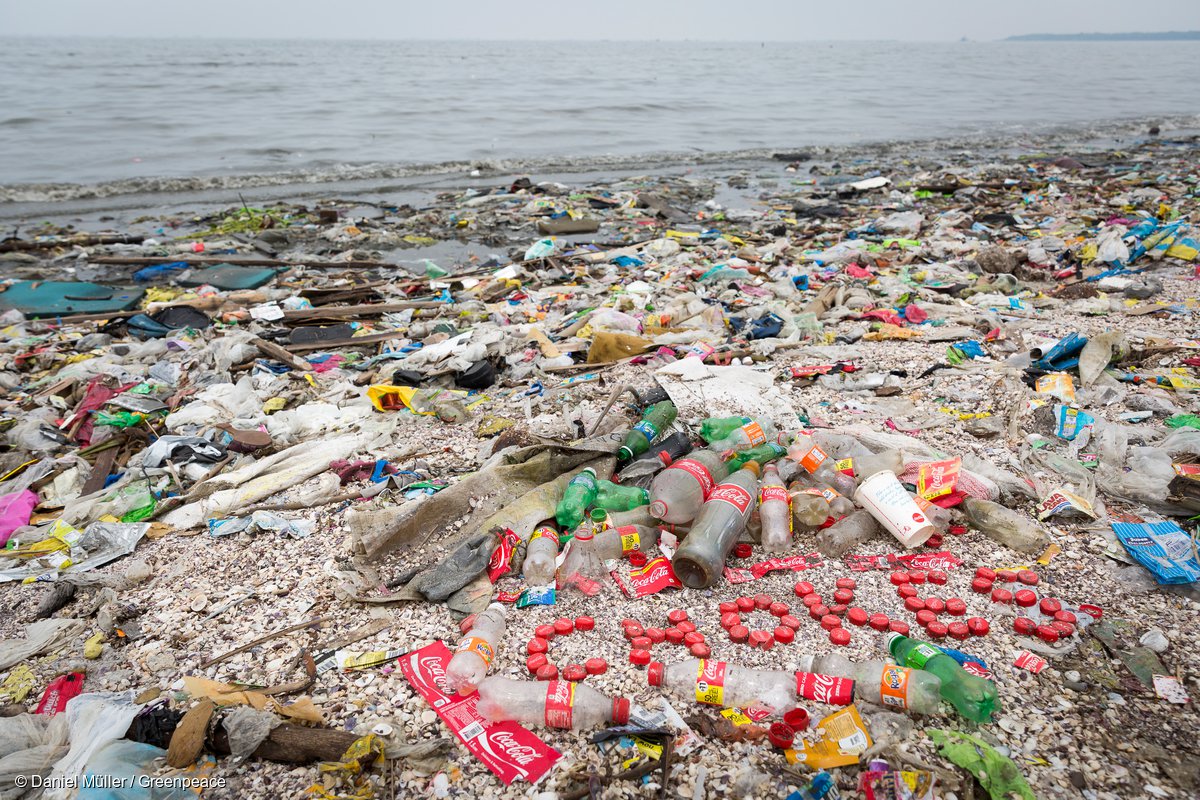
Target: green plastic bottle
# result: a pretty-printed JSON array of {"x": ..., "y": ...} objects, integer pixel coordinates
[
  {"x": 614, "y": 497},
  {"x": 656, "y": 419},
  {"x": 715, "y": 428},
  {"x": 972, "y": 696},
  {"x": 763, "y": 454},
  {"x": 579, "y": 494}
]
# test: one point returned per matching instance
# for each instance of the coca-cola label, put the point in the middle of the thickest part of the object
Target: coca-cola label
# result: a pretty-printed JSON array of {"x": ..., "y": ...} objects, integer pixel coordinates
[
  {"x": 893, "y": 686},
  {"x": 732, "y": 494},
  {"x": 697, "y": 471},
  {"x": 944, "y": 560},
  {"x": 975, "y": 668},
  {"x": 769, "y": 493},
  {"x": 506, "y": 748},
  {"x": 936, "y": 478},
  {"x": 560, "y": 700},
  {"x": 501, "y": 562},
  {"x": 710, "y": 682},
  {"x": 508, "y": 597},
  {"x": 656, "y": 576},
  {"x": 825, "y": 688},
  {"x": 754, "y": 433},
  {"x": 630, "y": 539},
  {"x": 735, "y": 575},
  {"x": 795, "y": 563},
  {"x": 1027, "y": 660}
]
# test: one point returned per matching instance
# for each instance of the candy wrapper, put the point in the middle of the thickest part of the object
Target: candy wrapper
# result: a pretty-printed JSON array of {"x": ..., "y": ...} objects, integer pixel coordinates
[
  {"x": 653, "y": 578},
  {"x": 844, "y": 738},
  {"x": 1161, "y": 547},
  {"x": 501, "y": 563},
  {"x": 1027, "y": 660}
]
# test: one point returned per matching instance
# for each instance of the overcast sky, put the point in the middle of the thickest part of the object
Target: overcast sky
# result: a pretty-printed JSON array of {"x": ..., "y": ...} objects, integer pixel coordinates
[{"x": 752, "y": 20}]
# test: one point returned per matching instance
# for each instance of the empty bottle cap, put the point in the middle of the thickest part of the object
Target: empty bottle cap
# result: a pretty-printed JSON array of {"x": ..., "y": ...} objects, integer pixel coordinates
[
  {"x": 730, "y": 619},
  {"x": 804, "y": 588},
  {"x": 1049, "y": 606},
  {"x": 546, "y": 631},
  {"x": 1047, "y": 634},
  {"x": 829, "y": 622},
  {"x": 879, "y": 622},
  {"x": 641, "y": 642},
  {"x": 783, "y": 634},
  {"x": 547, "y": 672},
  {"x": 739, "y": 633},
  {"x": 938, "y": 577},
  {"x": 978, "y": 626},
  {"x": 935, "y": 604},
  {"x": 762, "y": 639},
  {"x": 899, "y": 578},
  {"x": 781, "y": 735},
  {"x": 1026, "y": 598},
  {"x": 654, "y": 674},
  {"x": 537, "y": 645},
  {"x": 639, "y": 657},
  {"x": 914, "y": 603},
  {"x": 1028, "y": 577},
  {"x": 574, "y": 673},
  {"x": 745, "y": 603},
  {"x": 675, "y": 636},
  {"x": 779, "y": 609},
  {"x": 676, "y": 615},
  {"x": 656, "y": 635},
  {"x": 633, "y": 631},
  {"x": 818, "y": 611},
  {"x": 898, "y": 626},
  {"x": 843, "y": 595},
  {"x": 637, "y": 558},
  {"x": 535, "y": 662},
  {"x": 1024, "y": 626},
  {"x": 959, "y": 630},
  {"x": 981, "y": 585},
  {"x": 693, "y": 637},
  {"x": 1002, "y": 596},
  {"x": 700, "y": 650},
  {"x": 687, "y": 626},
  {"x": 1064, "y": 629},
  {"x": 811, "y": 599},
  {"x": 840, "y": 637},
  {"x": 1006, "y": 575},
  {"x": 596, "y": 666},
  {"x": 584, "y": 623},
  {"x": 986, "y": 574},
  {"x": 845, "y": 583},
  {"x": 857, "y": 616},
  {"x": 797, "y": 718},
  {"x": 937, "y": 630},
  {"x": 620, "y": 710},
  {"x": 917, "y": 576},
  {"x": 790, "y": 621},
  {"x": 743, "y": 550},
  {"x": 838, "y": 609},
  {"x": 564, "y": 626},
  {"x": 906, "y": 590},
  {"x": 762, "y": 601},
  {"x": 925, "y": 617},
  {"x": 956, "y": 607},
  {"x": 1065, "y": 616}
]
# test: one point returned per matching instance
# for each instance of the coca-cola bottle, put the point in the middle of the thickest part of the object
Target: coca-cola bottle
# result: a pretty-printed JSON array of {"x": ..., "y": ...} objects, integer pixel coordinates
[
  {"x": 902, "y": 688},
  {"x": 847, "y": 533},
  {"x": 475, "y": 651},
  {"x": 775, "y": 511},
  {"x": 718, "y": 683},
  {"x": 679, "y": 490},
  {"x": 701, "y": 557},
  {"x": 540, "y": 554},
  {"x": 555, "y": 704}
]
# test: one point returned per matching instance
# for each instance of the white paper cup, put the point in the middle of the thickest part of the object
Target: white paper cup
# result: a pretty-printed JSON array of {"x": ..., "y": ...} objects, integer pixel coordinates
[{"x": 888, "y": 501}]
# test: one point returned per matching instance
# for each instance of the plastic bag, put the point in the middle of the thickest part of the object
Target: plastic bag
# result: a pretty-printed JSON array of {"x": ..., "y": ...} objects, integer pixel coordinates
[
  {"x": 122, "y": 762},
  {"x": 247, "y": 729},
  {"x": 94, "y": 720}
]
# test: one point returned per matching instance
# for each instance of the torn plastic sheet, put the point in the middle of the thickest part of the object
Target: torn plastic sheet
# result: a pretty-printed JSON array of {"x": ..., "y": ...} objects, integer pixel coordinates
[{"x": 100, "y": 543}]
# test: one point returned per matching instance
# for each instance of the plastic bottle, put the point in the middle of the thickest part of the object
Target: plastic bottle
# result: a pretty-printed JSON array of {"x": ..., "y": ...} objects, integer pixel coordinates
[
  {"x": 579, "y": 494},
  {"x": 848, "y": 533},
  {"x": 867, "y": 465},
  {"x": 641, "y": 471},
  {"x": 699, "y": 560},
  {"x": 540, "y": 554},
  {"x": 751, "y": 434},
  {"x": 475, "y": 651},
  {"x": 903, "y": 688},
  {"x": 1007, "y": 527},
  {"x": 762, "y": 454},
  {"x": 720, "y": 427},
  {"x": 614, "y": 497},
  {"x": 973, "y": 697},
  {"x": 939, "y": 517},
  {"x": 718, "y": 683},
  {"x": 775, "y": 511},
  {"x": 679, "y": 491},
  {"x": 809, "y": 506},
  {"x": 820, "y": 465},
  {"x": 619, "y": 542},
  {"x": 555, "y": 704},
  {"x": 656, "y": 419},
  {"x": 583, "y": 560}
]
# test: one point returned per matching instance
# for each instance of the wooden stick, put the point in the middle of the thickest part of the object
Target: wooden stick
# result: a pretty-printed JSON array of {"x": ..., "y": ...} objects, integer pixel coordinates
[
  {"x": 237, "y": 261},
  {"x": 272, "y": 350},
  {"x": 354, "y": 341},
  {"x": 293, "y": 744},
  {"x": 267, "y": 638},
  {"x": 10, "y": 245}
]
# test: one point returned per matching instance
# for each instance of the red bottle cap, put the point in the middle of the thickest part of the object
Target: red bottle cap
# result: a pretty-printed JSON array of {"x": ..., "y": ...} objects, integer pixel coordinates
[
  {"x": 959, "y": 630},
  {"x": 879, "y": 622},
  {"x": 625, "y": 623},
  {"x": 1065, "y": 616},
  {"x": 537, "y": 645},
  {"x": 654, "y": 674},
  {"x": 1049, "y": 606},
  {"x": 844, "y": 596},
  {"x": 857, "y": 616},
  {"x": 687, "y": 626},
  {"x": 547, "y": 672},
  {"x": 978, "y": 626},
  {"x": 916, "y": 576},
  {"x": 467, "y": 623},
  {"x": 899, "y": 578},
  {"x": 956, "y": 607},
  {"x": 639, "y": 657},
  {"x": 937, "y": 630},
  {"x": 620, "y": 710},
  {"x": 535, "y": 662},
  {"x": 745, "y": 603},
  {"x": 783, "y": 634},
  {"x": 729, "y": 620},
  {"x": 762, "y": 601},
  {"x": 914, "y": 603},
  {"x": 739, "y": 633},
  {"x": 925, "y": 617},
  {"x": 727, "y": 607},
  {"x": 676, "y": 616},
  {"x": 1024, "y": 626},
  {"x": 803, "y": 588},
  {"x": 544, "y": 632},
  {"x": 1026, "y": 598},
  {"x": 743, "y": 550},
  {"x": 564, "y": 626},
  {"x": 584, "y": 623},
  {"x": 694, "y": 637},
  {"x": 935, "y": 604},
  {"x": 981, "y": 585},
  {"x": 906, "y": 590},
  {"x": 816, "y": 612},
  {"x": 988, "y": 575},
  {"x": 656, "y": 635},
  {"x": 675, "y": 636},
  {"x": 633, "y": 631},
  {"x": 781, "y": 735},
  {"x": 829, "y": 622},
  {"x": 797, "y": 718},
  {"x": 898, "y": 626},
  {"x": 636, "y": 559},
  {"x": 934, "y": 541},
  {"x": 1002, "y": 596},
  {"x": 840, "y": 637},
  {"x": 789, "y": 621},
  {"x": 957, "y": 530},
  {"x": 1064, "y": 629},
  {"x": 938, "y": 577},
  {"x": 1047, "y": 634},
  {"x": 811, "y": 599},
  {"x": 596, "y": 666},
  {"x": 1028, "y": 577},
  {"x": 574, "y": 673},
  {"x": 838, "y": 610},
  {"x": 700, "y": 650},
  {"x": 779, "y": 609},
  {"x": 761, "y": 639},
  {"x": 846, "y": 583},
  {"x": 1006, "y": 575},
  {"x": 641, "y": 643}
]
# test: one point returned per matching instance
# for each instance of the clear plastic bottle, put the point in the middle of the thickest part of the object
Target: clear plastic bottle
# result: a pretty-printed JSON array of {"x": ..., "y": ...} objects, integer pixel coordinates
[
  {"x": 809, "y": 506},
  {"x": 556, "y": 704},
  {"x": 614, "y": 497},
  {"x": 775, "y": 512},
  {"x": 718, "y": 683},
  {"x": 679, "y": 491},
  {"x": 939, "y": 517},
  {"x": 973, "y": 696},
  {"x": 620, "y": 542},
  {"x": 844, "y": 535},
  {"x": 579, "y": 494},
  {"x": 475, "y": 651},
  {"x": 699, "y": 560},
  {"x": 820, "y": 465},
  {"x": 1007, "y": 527},
  {"x": 867, "y": 465},
  {"x": 540, "y": 554},
  {"x": 583, "y": 559},
  {"x": 903, "y": 688},
  {"x": 751, "y": 434}
]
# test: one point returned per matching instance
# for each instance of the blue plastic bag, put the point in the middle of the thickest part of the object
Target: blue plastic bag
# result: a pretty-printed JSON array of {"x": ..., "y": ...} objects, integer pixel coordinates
[{"x": 1161, "y": 547}]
